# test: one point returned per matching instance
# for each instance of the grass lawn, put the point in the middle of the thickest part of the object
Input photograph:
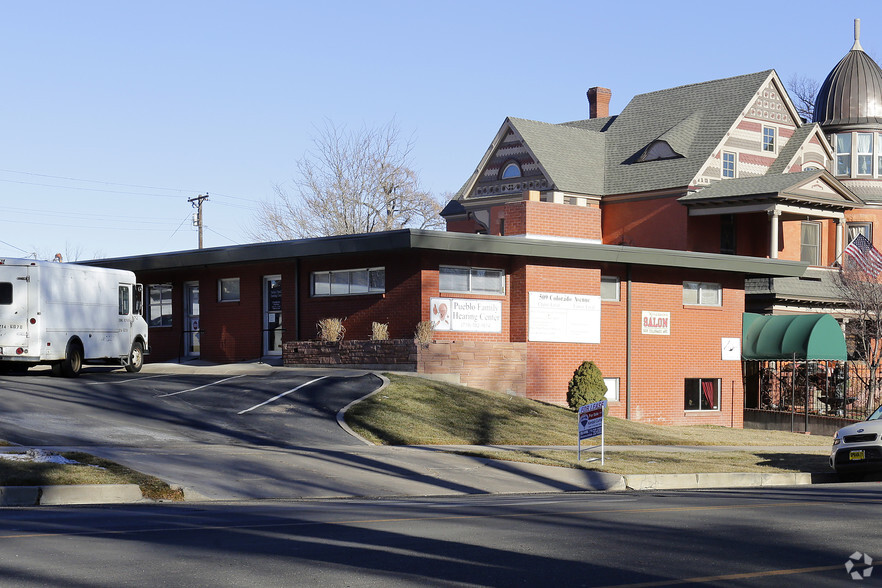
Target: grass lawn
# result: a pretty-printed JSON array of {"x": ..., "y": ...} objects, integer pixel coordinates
[
  {"x": 88, "y": 470},
  {"x": 417, "y": 411}
]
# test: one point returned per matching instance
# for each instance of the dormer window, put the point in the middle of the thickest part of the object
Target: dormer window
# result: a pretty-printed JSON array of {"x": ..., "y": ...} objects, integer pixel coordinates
[
  {"x": 658, "y": 149},
  {"x": 511, "y": 170}
]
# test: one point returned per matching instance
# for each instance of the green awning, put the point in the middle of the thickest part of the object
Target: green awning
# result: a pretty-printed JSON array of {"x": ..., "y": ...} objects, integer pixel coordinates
[{"x": 809, "y": 336}]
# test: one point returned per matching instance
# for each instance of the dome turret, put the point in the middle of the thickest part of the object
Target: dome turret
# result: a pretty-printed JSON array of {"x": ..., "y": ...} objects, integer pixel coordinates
[{"x": 851, "y": 96}]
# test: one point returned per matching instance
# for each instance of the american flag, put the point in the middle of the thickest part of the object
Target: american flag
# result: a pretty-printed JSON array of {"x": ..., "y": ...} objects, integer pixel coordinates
[{"x": 865, "y": 255}]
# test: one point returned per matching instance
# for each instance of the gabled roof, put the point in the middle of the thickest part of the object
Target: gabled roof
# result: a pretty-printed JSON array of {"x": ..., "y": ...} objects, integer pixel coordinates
[
  {"x": 603, "y": 156},
  {"x": 697, "y": 116},
  {"x": 817, "y": 187},
  {"x": 571, "y": 157},
  {"x": 800, "y": 137}
]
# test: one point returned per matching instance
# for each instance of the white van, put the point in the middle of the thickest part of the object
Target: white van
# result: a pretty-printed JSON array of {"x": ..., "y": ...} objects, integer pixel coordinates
[{"x": 66, "y": 315}]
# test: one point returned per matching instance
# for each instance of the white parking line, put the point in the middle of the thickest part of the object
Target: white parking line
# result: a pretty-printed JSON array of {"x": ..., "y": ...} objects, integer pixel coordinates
[
  {"x": 283, "y": 394},
  {"x": 200, "y": 387},
  {"x": 128, "y": 381}
]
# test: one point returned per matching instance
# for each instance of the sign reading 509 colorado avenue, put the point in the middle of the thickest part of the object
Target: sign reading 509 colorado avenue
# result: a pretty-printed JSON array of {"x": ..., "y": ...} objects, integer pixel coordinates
[
  {"x": 466, "y": 315},
  {"x": 564, "y": 318}
]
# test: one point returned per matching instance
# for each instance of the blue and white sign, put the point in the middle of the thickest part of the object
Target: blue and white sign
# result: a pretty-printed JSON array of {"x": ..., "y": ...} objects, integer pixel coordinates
[{"x": 591, "y": 425}]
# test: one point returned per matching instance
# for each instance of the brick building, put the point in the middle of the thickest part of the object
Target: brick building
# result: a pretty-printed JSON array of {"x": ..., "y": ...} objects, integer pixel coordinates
[{"x": 635, "y": 240}]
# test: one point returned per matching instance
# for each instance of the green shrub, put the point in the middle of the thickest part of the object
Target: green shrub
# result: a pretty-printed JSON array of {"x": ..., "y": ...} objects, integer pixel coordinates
[{"x": 586, "y": 386}]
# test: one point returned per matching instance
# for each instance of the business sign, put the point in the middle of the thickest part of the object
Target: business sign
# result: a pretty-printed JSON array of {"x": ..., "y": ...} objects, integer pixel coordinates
[
  {"x": 466, "y": 315},
  {"x": 656, "y": 323},
  {"x": 564, "y": 318}
]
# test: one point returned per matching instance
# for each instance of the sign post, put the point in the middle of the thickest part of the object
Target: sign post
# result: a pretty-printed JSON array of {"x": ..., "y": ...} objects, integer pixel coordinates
[{"x": 591, "y": 425}]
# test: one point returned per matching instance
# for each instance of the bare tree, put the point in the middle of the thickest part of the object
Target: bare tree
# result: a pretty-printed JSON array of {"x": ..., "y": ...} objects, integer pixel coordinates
[
  {"x": 803, "y": 92},
  {"x": 862, "y": 294},
  {"x": 350, "y": 182}
]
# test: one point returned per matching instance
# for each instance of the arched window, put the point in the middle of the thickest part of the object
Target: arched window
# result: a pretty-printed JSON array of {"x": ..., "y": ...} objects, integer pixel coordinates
[{"x": 511, "y": 170}]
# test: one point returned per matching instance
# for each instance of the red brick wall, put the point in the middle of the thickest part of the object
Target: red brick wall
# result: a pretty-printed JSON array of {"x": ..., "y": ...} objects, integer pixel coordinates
[
  {"x": 529, "y": 217},
  {"x": 656, "y": 222}
]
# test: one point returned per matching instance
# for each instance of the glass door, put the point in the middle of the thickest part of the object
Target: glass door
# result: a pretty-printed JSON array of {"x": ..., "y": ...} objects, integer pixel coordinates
[
  {"x": 272, "y": 315},
  {"x": 191, "y": 319}
]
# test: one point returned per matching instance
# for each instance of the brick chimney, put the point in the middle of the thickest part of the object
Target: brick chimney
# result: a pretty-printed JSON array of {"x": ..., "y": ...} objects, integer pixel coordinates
[{"x": 598, "y": 99}]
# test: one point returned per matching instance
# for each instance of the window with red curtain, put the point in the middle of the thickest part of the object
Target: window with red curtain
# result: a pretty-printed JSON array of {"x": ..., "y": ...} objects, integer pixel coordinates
[{"x": 702, "y": 394}]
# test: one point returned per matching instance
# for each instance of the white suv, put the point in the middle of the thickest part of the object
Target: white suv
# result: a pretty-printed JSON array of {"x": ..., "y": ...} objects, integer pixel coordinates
[{"x": 857, "y": 447}]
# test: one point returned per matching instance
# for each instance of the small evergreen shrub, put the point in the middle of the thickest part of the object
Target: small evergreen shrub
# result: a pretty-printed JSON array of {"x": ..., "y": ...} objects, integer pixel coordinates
[
  {"x": 330, "y": 329},
  {"x": 586, "y": 386}
]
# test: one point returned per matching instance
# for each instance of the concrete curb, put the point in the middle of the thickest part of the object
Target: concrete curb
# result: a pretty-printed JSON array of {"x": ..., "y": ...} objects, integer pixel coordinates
[
  {"x": 722, "y": 480},
  {"x": 341, "y": 414},
  {"x": 68, "y": 495}
]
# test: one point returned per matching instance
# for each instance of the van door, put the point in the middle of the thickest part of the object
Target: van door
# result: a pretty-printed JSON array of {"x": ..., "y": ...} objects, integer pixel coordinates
[{"x": 16, "y": 299}]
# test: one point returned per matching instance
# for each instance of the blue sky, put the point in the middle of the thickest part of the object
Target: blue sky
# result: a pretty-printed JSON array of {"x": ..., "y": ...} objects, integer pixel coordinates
[{"x": 115, "y": 113}]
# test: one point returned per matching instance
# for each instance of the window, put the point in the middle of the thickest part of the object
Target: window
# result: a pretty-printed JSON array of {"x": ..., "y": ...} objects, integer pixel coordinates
[
  {"x": 612, "y": 389},
  {"x": 843, "y": 154},
  {"x": 728, "y": 165},
  {"x": 702, "y": 394},
  {"x": 511, "y": 170},
  {"x": 769, "y": 139},
  {"x": 702, "y": 293},
  {"x": 348, "y": 282},
  {"x": 5, "y": 292},
  {"x": 159, "y": 305},
  {"x": 124, "y": 298},
  {"x": 855, "y": 229},
  {"x": 471, "y": 279},
  {"x": 810, "y": 243},
  {"x": 727, "y": 233},
  {"x": 228, "y": 290},
  {"x": 865, "y": 154},
  {"x": 879, "y": 153},
  {"x": 609, "y": 288}
]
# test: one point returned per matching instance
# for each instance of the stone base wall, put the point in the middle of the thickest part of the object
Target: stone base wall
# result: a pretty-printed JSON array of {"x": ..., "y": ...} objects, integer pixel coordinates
[{"x": 500, "y": 367}]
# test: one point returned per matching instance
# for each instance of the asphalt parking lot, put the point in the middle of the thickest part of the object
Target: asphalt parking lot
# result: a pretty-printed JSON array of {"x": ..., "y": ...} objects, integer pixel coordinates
[{"x": 164, "y": 406}]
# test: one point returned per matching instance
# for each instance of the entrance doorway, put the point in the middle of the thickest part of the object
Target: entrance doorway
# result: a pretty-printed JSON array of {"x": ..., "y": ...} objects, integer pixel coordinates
[
  {"x": 191, "y": 319},
  {"x": 272, "y": 315}
]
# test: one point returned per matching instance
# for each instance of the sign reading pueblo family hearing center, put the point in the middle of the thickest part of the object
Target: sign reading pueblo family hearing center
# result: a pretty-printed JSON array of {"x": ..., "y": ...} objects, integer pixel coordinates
[
  {"x": 460, "y": 314},
  {"x": 564, "y": 318}
]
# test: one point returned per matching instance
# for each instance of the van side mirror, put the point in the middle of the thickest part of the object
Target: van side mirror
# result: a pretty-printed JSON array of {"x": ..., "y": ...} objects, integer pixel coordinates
[{"x": 138, "y": 299}]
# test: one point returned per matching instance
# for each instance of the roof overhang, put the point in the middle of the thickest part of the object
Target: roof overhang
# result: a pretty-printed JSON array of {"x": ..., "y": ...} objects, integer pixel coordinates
[{"x": 413, "y": 239}]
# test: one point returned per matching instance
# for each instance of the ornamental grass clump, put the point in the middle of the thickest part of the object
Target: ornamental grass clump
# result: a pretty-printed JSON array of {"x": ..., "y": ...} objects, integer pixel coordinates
[
  {"x": 331, "y": 329},
  {"x": 587, "y": 386},
  {"x": 379, "y": 331},
  {"x": 424, "y": 332}
]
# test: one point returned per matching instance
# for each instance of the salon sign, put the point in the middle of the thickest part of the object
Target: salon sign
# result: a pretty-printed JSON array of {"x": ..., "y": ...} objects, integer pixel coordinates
[{"x": 656, "y": 323}]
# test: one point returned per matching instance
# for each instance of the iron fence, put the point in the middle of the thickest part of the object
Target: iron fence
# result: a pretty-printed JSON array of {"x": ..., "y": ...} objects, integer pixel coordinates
[{"x": 820, "y": 388}]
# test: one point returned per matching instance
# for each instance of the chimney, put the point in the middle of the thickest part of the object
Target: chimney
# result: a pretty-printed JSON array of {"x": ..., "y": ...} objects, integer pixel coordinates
[{"x": 598, "y": 99}]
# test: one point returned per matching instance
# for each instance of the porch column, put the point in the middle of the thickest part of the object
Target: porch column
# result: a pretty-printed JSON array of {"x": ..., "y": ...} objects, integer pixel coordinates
[
  {"x": 773, "y": 216},
  {"x": 839, "y": 240}
]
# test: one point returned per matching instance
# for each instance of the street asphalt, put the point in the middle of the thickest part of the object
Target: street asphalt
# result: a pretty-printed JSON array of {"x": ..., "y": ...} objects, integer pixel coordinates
[{"x": 349, "y": 467}]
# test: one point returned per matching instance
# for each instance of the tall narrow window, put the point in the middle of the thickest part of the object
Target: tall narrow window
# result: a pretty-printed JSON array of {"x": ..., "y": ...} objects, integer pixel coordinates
[
  {"x": 878, "y": 153},
  {"x": 810, "y": 243},
  {"x": 159, "y": 305},
  {"x": 727, "y": 233},
  {"x": 769, "y": 139},
  {"x": 728, "y": 164},
  {"x": 843, "y": 154},
  {"x": 865, "y": 154}
]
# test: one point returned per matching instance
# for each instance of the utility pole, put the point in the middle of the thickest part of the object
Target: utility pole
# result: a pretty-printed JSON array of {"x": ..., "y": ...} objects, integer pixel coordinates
[{"x": 197, "y": 204}]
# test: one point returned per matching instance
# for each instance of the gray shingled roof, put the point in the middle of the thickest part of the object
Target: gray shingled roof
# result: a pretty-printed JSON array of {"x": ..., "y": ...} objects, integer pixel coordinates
[
  {"x": 770, "y": 185},
  {"x": 788, "y": 152},
  {"x": 573, "y": 157},
  {"x": 600, "y": 156},
  {"x": 698, "y": 115}
]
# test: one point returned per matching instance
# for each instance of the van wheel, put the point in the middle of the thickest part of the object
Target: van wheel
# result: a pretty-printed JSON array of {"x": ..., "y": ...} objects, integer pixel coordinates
[
  {"x": 73, "y": 363},
  {"x": 136, "y": 358}
]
